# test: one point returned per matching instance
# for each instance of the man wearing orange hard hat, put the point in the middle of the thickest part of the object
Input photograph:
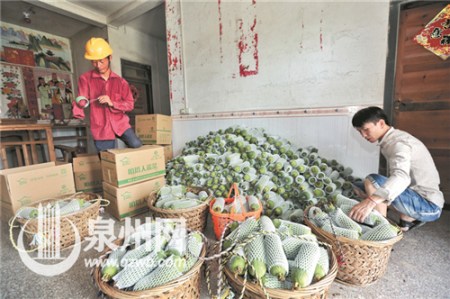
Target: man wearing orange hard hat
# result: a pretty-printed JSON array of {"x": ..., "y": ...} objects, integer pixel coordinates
[{"x": 109, "y": 97}]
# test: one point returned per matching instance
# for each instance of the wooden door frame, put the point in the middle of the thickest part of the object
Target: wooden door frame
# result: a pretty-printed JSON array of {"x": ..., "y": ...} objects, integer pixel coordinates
[{"x": 395, "y": 10}]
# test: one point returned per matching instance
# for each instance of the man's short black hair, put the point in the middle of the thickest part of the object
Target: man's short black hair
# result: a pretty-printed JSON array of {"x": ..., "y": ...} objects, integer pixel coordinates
[{"x": 369, "y": 114}]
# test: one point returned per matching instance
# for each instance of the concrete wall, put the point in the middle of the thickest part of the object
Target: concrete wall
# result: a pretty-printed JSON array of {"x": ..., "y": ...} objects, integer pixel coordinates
[
  {"x": 256, "y": 55},
  {"x": 275, "y": 57},
  {"x": 132, "y": 45}
]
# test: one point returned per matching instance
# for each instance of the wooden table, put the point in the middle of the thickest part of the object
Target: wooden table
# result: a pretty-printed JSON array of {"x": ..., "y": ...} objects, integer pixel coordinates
[{"x": 34, "y": 137}]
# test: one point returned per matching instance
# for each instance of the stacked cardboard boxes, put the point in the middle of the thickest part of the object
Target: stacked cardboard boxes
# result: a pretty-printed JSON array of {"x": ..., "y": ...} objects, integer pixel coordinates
[
  {"x": 24, "y": 186},
  {"x": 129, "y": 176},
  {"x": 87, "y": 171},
  {"x": 154, "y": 128}
]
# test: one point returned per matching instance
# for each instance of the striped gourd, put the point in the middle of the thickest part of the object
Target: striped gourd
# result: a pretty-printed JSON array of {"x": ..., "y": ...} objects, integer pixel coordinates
[
  {"x": 272, "y": 282},
  {"x": 330, "y": 188},
  {"x": 305, "y": 264},
  {"x": 284, "y": 231},
  {"x": 170, "y": 269},
  {"x": 177, "y": 245},
  {"x": 183, "y": 204},
  {"x": 219, "y": 205},
  {"x": 277, "y": 263},
  {"x": 291, "y": 245},
  {"x": 138, "y": 237},
  {"x": 244, "y": 230},
  {"x": 203, "y": 195},
  {"x": 253, "y": 203},
  {"x": 178, "y": 190},
  {"x": 287, "y": 205},
  {"x": 323, "y": 264},
  {"x": 296, "y": 216},
  {"x": 191, "y": 195},
  {"x": 27, "y": 213},
  {"x": 194, "y": 249},
  {"x": 364, "y": 229},
  {"x": 165, "y": 190},
  {"x": 234, "y": 225},
  {"x": 161, "y": 201},
  {"x": 237, "y": 261},
  {"x": 274, "y": 200},
  {"x": 153, "y": 244},
  {"x": 342, "y": 220},
  {"x": 317, "y": 216},
  {"x": 73, "y": 206},
  {"x": 133, "y": 272},
  {"x": 341, "y": 232},
  {"x": 373, "y": 219},
  {"x": 169, "y": 203},
  {"x": 113, "y": 264},
  {"x": 380, "y": 232},
  {"x": 256, "y": 257},
  {"x": 318, "y": 192},
  {"x": 341, "y": 200},
  {"x": 296, "y": 228},
  {"x": 266, "y": 224}
]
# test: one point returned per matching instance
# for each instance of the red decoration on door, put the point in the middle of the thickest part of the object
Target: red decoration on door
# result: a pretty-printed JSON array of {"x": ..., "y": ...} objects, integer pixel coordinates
[{"x": 435, "y": 37}]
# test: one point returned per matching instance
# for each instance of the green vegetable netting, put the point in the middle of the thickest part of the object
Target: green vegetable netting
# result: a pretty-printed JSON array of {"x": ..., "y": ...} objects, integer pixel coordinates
[{"x": 284, "y": 176}]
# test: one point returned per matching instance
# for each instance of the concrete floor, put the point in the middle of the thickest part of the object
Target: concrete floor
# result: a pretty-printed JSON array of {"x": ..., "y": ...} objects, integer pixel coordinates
[{"x": 419, "y": 267}]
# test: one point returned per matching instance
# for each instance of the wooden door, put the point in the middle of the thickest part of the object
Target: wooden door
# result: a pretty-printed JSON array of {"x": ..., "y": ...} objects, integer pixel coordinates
[{"x": 422, "y": 88}]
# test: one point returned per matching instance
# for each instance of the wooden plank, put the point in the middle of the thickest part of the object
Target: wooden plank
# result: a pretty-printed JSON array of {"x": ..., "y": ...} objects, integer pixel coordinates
[
  {"x": 437, "y": 122},
  {"x": 442, "y": 75},
  {"x": 425, "y": 96},
  {"x": 406, "y": 105},
  {"x": 26, "y": 156},
  {"x": 419, "y": 55},
  {"x": 443, "y": 166},
  {"x": 420, "y": 86},
  {"x": 424, "y": 14},
  {"x": 4, "y": 158},
  {"x": 419, "y": 67}
]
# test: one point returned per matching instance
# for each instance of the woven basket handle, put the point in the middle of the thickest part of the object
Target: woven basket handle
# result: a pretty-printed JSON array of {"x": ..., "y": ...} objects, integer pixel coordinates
[
  {"x": 235, "y": 188},
  {"x": 103, "y": 202}
]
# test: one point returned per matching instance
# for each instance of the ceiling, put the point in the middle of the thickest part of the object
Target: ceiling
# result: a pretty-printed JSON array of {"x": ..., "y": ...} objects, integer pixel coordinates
[{"x": 68, "y": 17}]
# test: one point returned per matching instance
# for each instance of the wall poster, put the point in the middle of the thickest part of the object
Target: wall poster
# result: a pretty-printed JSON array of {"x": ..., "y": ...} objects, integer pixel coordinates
[
  {"x": 13, "y": 102},
  {"x": 35, "y": 48},
  {"x": 36, "y": 73}
]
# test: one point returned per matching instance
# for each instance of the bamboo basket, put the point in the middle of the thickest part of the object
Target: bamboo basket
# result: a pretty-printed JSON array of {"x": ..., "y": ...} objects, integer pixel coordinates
[
  {"x": 317, "y": 290},
  {"x": 362, "y": 262},
  {"x": 186, "y": 286},
  {"x": 196, "y": 217},
  {"x": 67, "y": 237}
]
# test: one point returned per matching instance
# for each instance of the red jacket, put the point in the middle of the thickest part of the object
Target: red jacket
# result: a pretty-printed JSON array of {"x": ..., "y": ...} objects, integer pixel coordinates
[{"x": 106, "y": 122}]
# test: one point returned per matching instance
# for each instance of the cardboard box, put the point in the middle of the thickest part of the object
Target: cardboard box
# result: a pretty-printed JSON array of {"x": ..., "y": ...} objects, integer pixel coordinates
[
  {"x": 154, "y": 128},
  {"x": 122, "y": 167},
  {"x": 168, "y": 153},
  {"x": 23, "y": 186},
  {"x": 87, "y": 171},
  {"x": 130, "y": 200}
]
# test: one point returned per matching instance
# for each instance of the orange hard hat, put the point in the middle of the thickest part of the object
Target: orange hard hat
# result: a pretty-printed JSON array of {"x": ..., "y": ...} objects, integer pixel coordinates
[{"x": 97, "y": 48}]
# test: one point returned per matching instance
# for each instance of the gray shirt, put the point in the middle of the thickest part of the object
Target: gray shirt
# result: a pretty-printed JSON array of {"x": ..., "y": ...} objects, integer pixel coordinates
[{"x": 409, "y": 165}]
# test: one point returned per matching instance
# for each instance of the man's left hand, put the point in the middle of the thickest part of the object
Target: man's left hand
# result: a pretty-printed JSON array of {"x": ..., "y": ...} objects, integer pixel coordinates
[
  {"x": 105, "y": 100},
  {"x": 360, "y": 211}
]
